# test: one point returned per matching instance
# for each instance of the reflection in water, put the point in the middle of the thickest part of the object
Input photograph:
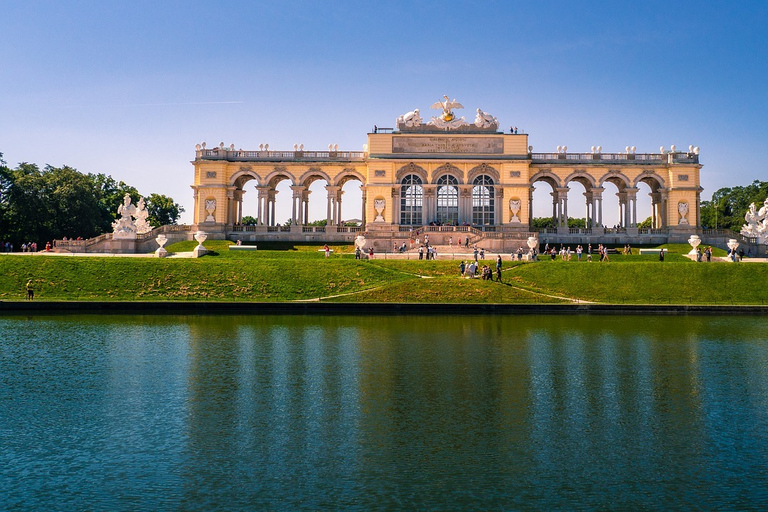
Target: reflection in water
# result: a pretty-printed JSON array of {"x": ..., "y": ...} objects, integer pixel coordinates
[{"x": 243, "y": 412}]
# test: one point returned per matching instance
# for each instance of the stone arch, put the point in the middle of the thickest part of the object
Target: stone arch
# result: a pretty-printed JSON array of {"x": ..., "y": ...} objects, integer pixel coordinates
[
  {"x": 354, "y": 197},
  {"x": 411, "y": 168},
  {"x": 546, "y": 176},
  {"x": 650, "y": 178},
  {"x": 484, "y": 169},
  {"x": 448, "y": 169},
  {"x": 618, "y": 178},
  {"x": 583, "y": 177},
  {"x": 277, "y": 175},
  {"x": 314, "y": 174},
  {"x": 243, "y": 175},
  {"x": 347, "y": 175}
]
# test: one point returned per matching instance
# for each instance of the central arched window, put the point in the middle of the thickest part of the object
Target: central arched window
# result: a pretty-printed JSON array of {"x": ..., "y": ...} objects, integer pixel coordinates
[
  {"x": 482, "y": 201},
  {"x": 447, "y": 200},
  {"x": 411, "y": 200}
]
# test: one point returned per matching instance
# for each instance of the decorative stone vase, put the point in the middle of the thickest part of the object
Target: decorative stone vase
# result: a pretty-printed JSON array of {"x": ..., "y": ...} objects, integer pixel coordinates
[
  {"x": 210, "y": 207},
  {"x": 360, "y": 242},
  {"x": 161, "y": 241},
  {"x": 200, "y": 236},
  {"x": 682, "y": 209},
  {"x": 378, "y": 205},
  {"x": 514, "y": 207},
  {"x": 532, "y": 242},
  {"x": 694, "y": 241},
  {"x": 732, "y": 244}
]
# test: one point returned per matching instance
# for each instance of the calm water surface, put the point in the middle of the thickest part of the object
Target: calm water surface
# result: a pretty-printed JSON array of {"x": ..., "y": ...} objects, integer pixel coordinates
[{"x": 383, "y": 413}]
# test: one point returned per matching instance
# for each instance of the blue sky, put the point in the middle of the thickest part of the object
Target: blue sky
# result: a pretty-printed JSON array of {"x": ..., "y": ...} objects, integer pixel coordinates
[{"x": 128, "y": 88}]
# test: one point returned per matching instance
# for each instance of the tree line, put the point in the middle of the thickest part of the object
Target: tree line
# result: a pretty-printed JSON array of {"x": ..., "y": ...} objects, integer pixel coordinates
[
  {"x": 728, "y": 206},
  {"x": 38, "y": 205}
]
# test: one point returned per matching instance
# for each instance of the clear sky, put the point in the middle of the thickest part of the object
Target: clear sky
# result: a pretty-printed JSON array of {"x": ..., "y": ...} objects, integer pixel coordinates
[{"x": 128, "y": 88}]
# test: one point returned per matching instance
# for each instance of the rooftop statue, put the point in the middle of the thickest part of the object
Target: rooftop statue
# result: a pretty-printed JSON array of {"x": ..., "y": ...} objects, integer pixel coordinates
[
  {"x": 410, "y": 120},
  {"x": 447, "y": 120},
  {"x": 485, "y": 120}
]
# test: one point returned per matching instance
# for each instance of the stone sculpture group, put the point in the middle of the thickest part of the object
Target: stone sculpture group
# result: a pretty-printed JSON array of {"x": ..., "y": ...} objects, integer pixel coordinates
[
  {"x": 757, "y": 223},
  {"x": 447, "y": 120},
  {"x": 131, "y": 221}
]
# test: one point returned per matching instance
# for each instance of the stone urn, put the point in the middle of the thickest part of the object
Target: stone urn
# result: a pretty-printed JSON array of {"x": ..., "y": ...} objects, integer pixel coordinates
[
  {"x": 732, "y": 244},
  {"x": 200, "y": 236},
  {"x": 161, "y": 241},
  {"x": 514, "y": 208},
  {"x": 694, "y": 241},
  {"x": 533, "y": 245},
  {"x": 378, "y": 205}
]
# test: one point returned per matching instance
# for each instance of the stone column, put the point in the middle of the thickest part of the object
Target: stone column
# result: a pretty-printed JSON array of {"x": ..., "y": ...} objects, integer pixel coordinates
[
  {"x": 631, "y": 207},
  {"x": 231, "y": 208},
  {"x": 589, "y": 201},
  {"x": 271, "y": 207},
  {"x": 655, "y": 200},
  {"x": 498, "y": 202},
  {"x": 562, "y": 195},
  {"x": 664, "y": 207},
  {"x": 465, "y": 204},
  {"x": 331, "y": 210},
  {"x": 530, "y": 207},
  {"x": 429, "y": 203},
  {"x": 597, "y": 206},
  {"x": 622, "y": 208},
  {"x": 339, "y": 194},
  {"x": 305, "y": 205},
  {"x": 555, "y": 207},
  {"x": 363, "y": 201}
]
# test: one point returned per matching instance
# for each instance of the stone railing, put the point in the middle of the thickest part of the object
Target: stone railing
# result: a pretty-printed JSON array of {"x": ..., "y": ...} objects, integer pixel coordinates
[
  {"x": 627, "y": 158},
  {"x": 248, "y": 156}
]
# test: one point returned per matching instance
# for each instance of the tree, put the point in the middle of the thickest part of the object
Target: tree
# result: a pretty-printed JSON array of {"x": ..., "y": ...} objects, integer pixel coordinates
[
  {"x": 41, "y": 205},
  {"x": 728, "y": 205},
  {"x": 249, "y": 221},
  {"x": 646, "y": 224},
  {"x": 162, "y": 210}
]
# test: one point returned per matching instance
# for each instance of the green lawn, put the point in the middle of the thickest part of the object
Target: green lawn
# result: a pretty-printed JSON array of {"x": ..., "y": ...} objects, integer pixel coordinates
[{"x": 289, "y": 272}]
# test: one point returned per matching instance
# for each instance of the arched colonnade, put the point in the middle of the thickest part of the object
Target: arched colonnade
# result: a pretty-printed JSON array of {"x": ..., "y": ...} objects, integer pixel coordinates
[
  {"x": 594, "y": 196},
  {"x": 300, "y": 182}
]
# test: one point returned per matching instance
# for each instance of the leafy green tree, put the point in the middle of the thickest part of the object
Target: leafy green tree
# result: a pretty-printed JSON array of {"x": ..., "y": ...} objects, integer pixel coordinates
[
  {"x": 542, "y": 223},
  {"x": 40, "y": 205},
  {"x": 646, "y": 224},
  {"x": 727, "y": 207},
  {"x": 249, "y": 221},
  {"x": 162, "y": 210}
]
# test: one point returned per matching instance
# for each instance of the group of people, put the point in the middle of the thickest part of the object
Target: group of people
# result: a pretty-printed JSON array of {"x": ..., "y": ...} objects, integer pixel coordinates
[
  {"x": 566, "y": 253},
  {"x": 469, "y": 270},
  {"x": 25, "y": 247}
]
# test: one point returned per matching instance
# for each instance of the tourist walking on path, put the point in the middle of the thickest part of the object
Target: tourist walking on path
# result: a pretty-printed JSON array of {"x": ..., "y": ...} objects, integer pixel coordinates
[{"x": 327, "y": 250}]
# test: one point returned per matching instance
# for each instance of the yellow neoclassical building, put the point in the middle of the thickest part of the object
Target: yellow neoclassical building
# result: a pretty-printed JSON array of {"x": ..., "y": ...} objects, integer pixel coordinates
[{"x": 444, "y": 175}]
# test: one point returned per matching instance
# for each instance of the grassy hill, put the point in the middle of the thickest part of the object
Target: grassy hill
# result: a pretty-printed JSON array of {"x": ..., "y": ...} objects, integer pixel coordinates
[{"x": 289, "y": 272}]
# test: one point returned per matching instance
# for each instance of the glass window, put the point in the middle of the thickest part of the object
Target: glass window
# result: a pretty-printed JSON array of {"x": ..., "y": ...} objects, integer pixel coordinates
[
  {"x": 411, "y": 200},
  {"x": 448, "y": 200},
  {"x": 482, "y": 201}
]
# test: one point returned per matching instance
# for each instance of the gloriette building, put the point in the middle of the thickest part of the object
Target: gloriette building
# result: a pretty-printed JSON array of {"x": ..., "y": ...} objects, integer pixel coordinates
[{"x": 445, "y": 175}]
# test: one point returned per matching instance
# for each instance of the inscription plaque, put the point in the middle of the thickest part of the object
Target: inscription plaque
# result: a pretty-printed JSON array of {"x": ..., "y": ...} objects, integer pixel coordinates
[
  {"x": 682, "y": 177},
  {"x": 450, "y": 145}
]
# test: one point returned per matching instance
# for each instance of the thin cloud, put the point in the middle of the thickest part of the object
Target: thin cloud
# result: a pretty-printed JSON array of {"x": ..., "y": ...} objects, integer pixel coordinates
[{"x": 175, "y": 104}]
